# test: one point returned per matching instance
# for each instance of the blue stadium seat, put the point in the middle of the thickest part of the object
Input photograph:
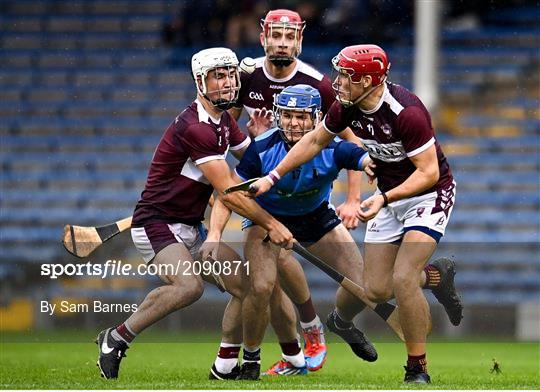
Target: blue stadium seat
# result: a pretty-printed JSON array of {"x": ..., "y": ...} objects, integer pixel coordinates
[{"x": 87, "y": 91}]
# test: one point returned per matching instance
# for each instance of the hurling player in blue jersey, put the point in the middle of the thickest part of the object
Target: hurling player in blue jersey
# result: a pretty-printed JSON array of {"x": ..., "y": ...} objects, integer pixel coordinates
[
  {"x": 301, "y": 201},
  {"x": 261, "y": 80}
]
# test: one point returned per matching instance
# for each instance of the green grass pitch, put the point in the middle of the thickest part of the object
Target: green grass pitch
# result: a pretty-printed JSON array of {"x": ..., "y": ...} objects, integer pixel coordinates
[{"x": 161, "y": 365}]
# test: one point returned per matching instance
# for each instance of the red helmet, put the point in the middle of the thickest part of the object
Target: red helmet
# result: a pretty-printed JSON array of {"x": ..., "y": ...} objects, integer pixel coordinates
[
  {"x": 283, "y": 18},
  {"x": 359, "y": 60}
]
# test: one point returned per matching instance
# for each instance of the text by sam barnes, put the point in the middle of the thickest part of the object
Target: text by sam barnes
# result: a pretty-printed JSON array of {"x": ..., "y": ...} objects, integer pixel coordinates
[{"x": 95, "y": 306}]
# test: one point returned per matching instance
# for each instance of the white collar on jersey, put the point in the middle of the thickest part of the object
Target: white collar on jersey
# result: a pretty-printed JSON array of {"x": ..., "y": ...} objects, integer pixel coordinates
[
  {"x": 204, "y": 116},
  {"x": 282, "y": 80},
  {"x": 379, "y": 104}
]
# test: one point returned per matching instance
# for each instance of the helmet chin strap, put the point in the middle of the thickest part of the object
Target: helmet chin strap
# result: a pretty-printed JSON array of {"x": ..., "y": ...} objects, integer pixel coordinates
[
  {"x": 221, "y": 104},
  {"x": 281, "y": 61},
  {"x": 365, "y": 95}
]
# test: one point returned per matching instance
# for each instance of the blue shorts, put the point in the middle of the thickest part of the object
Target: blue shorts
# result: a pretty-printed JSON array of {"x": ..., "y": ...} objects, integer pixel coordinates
[{"x": 308, "y": 228}]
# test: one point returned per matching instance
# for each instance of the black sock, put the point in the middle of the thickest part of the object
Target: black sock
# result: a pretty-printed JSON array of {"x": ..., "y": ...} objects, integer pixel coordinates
[
  {"x": 290, "y": 348},
  {"x": 252, "y": 356},
  {"x": 340, "y": 323}
]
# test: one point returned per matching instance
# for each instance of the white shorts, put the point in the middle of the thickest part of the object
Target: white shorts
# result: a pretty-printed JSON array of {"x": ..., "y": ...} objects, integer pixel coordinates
[
  {"x": 154, "y": 237},
  {"x": 428, "y": 213}
]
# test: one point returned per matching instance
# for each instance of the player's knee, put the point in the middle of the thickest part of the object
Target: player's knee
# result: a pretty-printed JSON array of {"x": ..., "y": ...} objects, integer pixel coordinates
[
  {"x": 262, "y": 289},
  {"x": 190, "y": 291},
  {"x": 404, "y": 280},
  {"x": 378, "y": 294},
  {"x": 286, "y": 260},
  {"x": 197, "y": 289}
]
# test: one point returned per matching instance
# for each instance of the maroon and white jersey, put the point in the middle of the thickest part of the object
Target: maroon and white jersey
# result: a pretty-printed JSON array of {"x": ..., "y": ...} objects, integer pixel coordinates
[
  {"x": 176, "y": 190},
  {"x": 258, "y": 89},
  {"x": 398, "y": 128}
]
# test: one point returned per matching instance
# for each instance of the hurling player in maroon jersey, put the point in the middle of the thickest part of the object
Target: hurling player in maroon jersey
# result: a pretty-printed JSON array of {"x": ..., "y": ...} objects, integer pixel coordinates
[
  {"x": 262, "y": 79},
  {"x": 188, "y": 164},
  {"x": 407, "y": 215},
  {"x": 265, "y": 77}
]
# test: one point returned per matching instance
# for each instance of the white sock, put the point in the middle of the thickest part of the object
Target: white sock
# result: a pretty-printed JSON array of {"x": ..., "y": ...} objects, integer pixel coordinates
[
  {"x": 116, "y": 336},
  {"x": 297, "y": 360},
  {"x": 225, "y": 365},
  {"x": 316, "y": 322}
]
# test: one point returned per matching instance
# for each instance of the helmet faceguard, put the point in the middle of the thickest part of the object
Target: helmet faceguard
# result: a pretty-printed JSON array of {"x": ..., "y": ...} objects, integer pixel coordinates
[
  {"x": 293, "y": 100},
  {"x": 281, "y": 22},
  {"x": 223, "y": 63},
  {"x": 353, "y": 63}
]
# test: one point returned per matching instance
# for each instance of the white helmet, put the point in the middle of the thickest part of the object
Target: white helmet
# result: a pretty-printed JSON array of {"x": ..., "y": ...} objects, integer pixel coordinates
[{"x": 210, "y": 59}]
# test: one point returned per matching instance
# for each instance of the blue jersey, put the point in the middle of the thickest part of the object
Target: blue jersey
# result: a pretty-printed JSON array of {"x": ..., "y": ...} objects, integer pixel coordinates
[{"x": 304, "y": 189}]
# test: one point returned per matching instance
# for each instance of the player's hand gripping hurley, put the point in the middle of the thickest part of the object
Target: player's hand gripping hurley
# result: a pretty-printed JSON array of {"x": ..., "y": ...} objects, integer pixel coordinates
[{"x": 81, "y": 241}]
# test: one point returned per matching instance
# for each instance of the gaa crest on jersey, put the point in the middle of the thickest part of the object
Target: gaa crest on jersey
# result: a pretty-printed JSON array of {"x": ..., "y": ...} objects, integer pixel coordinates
[
  {"x": 387, "y": 129},
  {"x": 357, "y": 124},
  {"x": 256, "y": 96}
]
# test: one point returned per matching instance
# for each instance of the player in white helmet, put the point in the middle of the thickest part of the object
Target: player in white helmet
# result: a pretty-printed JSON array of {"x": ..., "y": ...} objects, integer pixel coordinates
[{"x": 187, "y": 165}]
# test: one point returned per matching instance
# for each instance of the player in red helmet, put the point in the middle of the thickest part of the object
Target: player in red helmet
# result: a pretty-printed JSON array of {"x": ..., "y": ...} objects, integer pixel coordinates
[
  {"x": 352, "y": 64},
  {"x": 408, "y": 214},
  {"x": 262, "y": 79},
  {"x": 282, "y": 36}
]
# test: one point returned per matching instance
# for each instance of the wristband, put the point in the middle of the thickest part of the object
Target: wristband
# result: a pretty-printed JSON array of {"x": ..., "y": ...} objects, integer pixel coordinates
[
  {"x": 273, "y": 177},
  {"x": 269, "y": 179},
  {"x": 385, "y": 199}
]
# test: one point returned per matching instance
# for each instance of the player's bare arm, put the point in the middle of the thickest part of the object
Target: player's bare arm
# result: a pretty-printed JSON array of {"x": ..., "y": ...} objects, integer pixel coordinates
[
  {"x": 218, "y": 220},
  {"x": 219, "y": 217},
  {"x": 238, "y": 154},
  {"x": 349, "y": 135},
  {"x": 347, "y": 210},
  {"x": 218, "y": 173},
  {"x": 424, "y": 177},
  {"x": 309, "y": 146}
]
